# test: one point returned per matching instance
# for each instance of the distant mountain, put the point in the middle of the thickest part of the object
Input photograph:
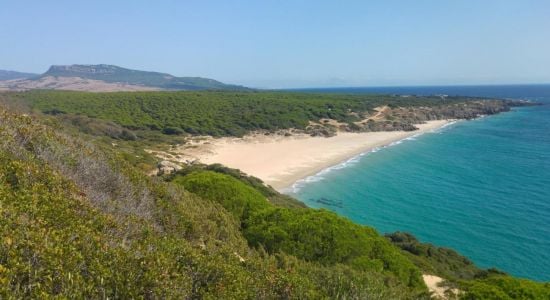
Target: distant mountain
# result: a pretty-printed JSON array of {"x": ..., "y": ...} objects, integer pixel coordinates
[
  {"x": 115, "y": 74},
  {"x": 11, "y": 75},
  {"x": 101, "y": 78}
]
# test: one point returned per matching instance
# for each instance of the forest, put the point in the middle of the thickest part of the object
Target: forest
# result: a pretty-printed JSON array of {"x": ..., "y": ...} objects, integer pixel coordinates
[{"x": 226, "y": 113}]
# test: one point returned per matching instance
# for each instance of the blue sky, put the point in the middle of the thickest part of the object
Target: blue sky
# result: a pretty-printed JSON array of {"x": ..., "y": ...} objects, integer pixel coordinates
[{"x": 288, "y": 43}]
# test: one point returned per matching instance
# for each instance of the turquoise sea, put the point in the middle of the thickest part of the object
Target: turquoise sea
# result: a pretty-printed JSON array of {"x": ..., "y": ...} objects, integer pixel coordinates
[{"x": 481, "y": 187}]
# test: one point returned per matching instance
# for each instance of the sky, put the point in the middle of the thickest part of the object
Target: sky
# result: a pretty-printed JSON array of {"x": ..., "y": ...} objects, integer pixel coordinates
[{"x": 288, "y": 44}]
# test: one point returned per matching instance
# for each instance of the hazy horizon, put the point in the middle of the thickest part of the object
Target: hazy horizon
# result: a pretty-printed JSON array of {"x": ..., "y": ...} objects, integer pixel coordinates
[{"x": 310, "y": 44}]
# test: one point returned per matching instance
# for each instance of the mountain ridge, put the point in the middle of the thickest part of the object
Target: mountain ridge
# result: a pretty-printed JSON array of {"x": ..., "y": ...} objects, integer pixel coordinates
[
  {"x": 105, "y": 77},
  {"x": 11, "y": 75}
]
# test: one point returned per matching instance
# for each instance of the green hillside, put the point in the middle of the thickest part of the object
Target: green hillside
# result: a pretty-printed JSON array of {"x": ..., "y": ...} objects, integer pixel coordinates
[
  {"x": 237, "y": 113},
  {"x": 78, "y": 220},
  {"x": 110, "y": 73}
]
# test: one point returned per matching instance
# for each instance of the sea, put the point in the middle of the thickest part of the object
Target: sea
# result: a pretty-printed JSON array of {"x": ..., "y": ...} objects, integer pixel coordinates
[{"x": 481, "y": 187}]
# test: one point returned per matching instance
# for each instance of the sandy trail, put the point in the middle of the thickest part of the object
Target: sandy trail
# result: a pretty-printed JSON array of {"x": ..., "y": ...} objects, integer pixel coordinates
[{"x": 439, "y": 291}]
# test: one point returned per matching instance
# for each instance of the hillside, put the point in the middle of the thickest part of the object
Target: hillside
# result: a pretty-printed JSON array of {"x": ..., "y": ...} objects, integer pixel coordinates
[
  {"x": 81, "y": 220},
  {"x": 11, "y": 75},
  {"x": 108, "y": 78},
  {"x": 159, "y": 120},
  {"x": 238, "y": 113}
]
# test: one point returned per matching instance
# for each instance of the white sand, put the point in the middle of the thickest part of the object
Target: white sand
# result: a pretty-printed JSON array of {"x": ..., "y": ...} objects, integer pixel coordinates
[
  {"x": 281, "y": 161},
  {"x": 439, "y": 291}
]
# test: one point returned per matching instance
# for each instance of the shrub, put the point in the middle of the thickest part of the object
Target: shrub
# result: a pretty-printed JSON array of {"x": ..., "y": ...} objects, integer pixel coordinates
[
  {"x": 313, "y": 235},
  {"x": 173, "y": 131}
]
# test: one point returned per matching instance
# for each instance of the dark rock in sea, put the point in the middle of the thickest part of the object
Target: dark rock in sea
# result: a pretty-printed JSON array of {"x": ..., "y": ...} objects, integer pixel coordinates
[{"x": 329, "y": 202}]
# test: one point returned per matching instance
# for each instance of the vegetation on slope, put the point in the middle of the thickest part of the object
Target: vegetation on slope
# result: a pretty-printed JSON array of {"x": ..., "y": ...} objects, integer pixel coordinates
[
  {"x": 321, "y": 236},
  {"x": 156, "y": 120},
  {"x": 257, "y": 184},
  {"x": 312, "y": 235},
  {"x": 79, "y": 221},
  {"x": 237, "y": 113},
  {"x": 443, "y": 262},
  {"x": 503, "y": 287},
  {"x": 460, "y": 272}
]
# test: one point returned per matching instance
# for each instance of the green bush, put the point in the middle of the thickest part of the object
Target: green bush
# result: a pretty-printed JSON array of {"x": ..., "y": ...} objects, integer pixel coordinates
[
  {"x": 505, "y": 287},
  {"x": 173, "y": 131},
  {"x": 443, "y": 262},
  {"x": 313, "y": 235},
  {"x": 238, "y": 198}
]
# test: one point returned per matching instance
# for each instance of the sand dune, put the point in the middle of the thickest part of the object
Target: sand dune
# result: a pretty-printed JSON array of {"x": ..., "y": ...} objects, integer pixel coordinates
[{"x": 436, "y": 286}]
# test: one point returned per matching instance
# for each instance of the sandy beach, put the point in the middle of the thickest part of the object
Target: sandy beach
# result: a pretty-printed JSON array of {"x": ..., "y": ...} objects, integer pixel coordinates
[{"x": 280, "y": 161}]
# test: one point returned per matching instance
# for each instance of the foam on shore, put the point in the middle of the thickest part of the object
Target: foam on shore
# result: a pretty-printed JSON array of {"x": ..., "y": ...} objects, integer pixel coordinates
[
  {"x": 296, "y": 186},
  {"x": 286, "y": 162}
]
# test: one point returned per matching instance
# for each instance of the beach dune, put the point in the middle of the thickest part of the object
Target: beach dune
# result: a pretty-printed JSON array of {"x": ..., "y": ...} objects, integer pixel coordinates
[{"x": 280, "y": 161}]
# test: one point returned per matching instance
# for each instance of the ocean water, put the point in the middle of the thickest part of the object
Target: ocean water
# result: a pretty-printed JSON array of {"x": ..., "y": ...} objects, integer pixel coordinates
[{"x": 481, "y": 187}]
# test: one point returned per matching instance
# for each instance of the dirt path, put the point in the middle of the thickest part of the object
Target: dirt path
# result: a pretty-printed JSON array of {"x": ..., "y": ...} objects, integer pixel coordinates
[{"x": 439, "y": 291}]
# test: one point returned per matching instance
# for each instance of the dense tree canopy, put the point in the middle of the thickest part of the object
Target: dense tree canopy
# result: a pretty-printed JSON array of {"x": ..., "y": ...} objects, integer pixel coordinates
[{"x": 220, "y": 113}]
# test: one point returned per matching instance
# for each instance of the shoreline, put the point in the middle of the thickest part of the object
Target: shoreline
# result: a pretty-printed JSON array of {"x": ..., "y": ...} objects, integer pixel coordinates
[
  {"x": 289, "y": 184},
  {"x": 283, "y": 161},
  {"x": 293, "y": 186}
]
